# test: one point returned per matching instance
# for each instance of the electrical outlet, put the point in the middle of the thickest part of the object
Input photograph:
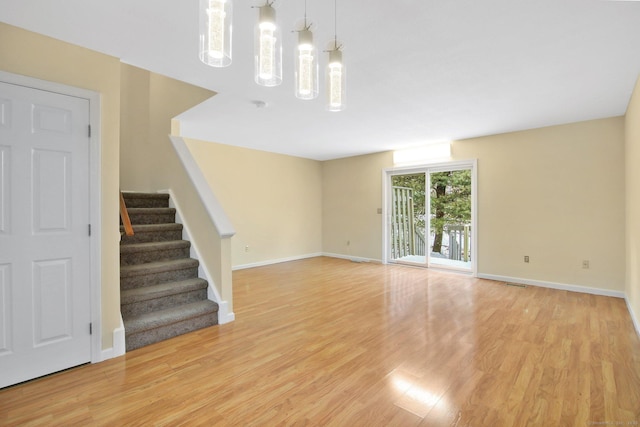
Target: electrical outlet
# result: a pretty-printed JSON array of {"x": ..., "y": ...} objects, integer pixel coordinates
[
  {"x": 246, "y": 248},
  {"x": 526, "y": 258},
  {"x": 585, "y": 263},
  {"x": 348, "y": 242}
]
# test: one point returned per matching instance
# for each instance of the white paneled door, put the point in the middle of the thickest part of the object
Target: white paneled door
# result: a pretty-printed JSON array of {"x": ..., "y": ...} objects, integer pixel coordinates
[{"x": 45, "y": 287}]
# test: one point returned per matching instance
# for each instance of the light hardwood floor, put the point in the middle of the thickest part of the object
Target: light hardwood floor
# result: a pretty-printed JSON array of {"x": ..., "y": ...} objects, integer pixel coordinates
[{"x": 328, "y": 342}]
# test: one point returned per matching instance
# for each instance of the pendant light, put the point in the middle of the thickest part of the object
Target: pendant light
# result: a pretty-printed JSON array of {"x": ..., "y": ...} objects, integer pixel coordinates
[
  {"x": 268, "y": 47},
  {"x": 215, "y": 32},
  {"x": 306, "y": 70},
  {"x": 336, "y": 73}
]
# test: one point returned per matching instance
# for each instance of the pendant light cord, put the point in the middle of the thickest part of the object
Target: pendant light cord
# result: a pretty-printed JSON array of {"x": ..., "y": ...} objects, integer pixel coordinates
[
  {"x": 335, "y": 24},
  {"x": 305, "y": 15}
]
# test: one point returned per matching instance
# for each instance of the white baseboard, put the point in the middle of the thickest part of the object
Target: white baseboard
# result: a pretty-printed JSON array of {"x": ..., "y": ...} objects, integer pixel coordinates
[
  {"x": 119, "y": 344},
  {"x": 553, "y": 285},
  {"x": 299, "y": 257},
  {"x": 634, "y": 319},
  {"x": 352, "y": 258},
  {"x": 224, "y": 316},
  {"x": 275, "y": 261}
]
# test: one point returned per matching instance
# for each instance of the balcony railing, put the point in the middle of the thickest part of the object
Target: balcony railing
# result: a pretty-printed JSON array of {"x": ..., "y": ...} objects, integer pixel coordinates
[
  {"x": 407, "y": 239},
  {"x": 459, "y": 242},
  {"x": 403, "y": 229}
]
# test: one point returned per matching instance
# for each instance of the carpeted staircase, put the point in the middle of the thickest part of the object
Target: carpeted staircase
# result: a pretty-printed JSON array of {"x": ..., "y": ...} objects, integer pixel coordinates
[{"x": 161, "y": 295}]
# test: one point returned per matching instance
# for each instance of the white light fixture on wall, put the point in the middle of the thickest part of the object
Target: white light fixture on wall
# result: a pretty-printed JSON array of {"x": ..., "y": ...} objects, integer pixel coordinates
[
  {"x": 215, "y": 32},
  {"x": 306, "y": 71},
  {"x": 336, "y": 73},
  {"x": 268, "y": 47}
]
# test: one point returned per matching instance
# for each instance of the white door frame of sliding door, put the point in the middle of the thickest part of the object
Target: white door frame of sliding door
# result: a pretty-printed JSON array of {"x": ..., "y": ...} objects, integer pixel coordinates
[{"x": 427, "y": 168}]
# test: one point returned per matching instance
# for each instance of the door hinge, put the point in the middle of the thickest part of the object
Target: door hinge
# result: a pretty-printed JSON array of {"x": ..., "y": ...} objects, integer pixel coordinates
[
  {"x": 89, "y": 225},
  {"x": 90, "y": 328},
  {"x": 89, "y": 126}
]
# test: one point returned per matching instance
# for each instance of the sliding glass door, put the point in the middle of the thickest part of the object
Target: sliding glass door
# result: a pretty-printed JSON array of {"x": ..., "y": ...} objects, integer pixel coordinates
[
  {"x": 430, "y": 216},
  {"x": 450, "y": 219},
  {"x": 408, "y": 218}
]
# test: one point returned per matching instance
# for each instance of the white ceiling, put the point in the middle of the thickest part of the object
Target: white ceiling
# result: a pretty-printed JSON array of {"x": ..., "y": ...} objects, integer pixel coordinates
[{"x": 418, "y": 71}]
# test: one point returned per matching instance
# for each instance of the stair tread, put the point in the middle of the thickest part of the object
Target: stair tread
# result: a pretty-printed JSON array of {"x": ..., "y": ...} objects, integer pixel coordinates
[
  {"x": 156, "y": 291},
  {"x": 142, "y": 228},
  {"x": 151, "y": 246},
  {"x": 168, "y": 316},
  {"x": 133, "y": 211},
  {"x": 157, "y": 267},
  {"x": 140, "y": 195}
]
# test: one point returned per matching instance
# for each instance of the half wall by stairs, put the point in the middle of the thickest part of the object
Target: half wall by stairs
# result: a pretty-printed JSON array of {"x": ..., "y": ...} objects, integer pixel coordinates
[{"x": 161, "y": 295}]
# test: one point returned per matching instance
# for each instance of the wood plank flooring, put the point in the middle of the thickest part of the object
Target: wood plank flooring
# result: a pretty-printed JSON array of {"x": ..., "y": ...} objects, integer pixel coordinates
[{"x": 328, "y": 342}]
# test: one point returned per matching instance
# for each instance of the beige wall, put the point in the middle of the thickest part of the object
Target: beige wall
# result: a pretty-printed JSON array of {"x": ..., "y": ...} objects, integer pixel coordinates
[
  {"x": 149, "y": 102},
  {"x": 555, "y": 194},
  {"x": 274, "y": 201},
  {"x": 134, "y": 128},
  {"x": 33, "y": 55},
  {"x": 632, "y": 156},
  {"x": 352, "y": 194}
]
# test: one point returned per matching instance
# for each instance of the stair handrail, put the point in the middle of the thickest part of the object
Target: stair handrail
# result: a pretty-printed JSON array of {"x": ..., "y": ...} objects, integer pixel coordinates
[{"x": 124, "y": 215}]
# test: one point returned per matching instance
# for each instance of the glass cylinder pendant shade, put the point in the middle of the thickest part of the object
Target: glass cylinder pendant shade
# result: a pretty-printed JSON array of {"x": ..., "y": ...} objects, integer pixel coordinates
[
  {"x": 215, "y": 32},
  {"x": 336, "y": 82},
  {"x": 306, "y": 71},
  {"x": 268, "y": 48}
]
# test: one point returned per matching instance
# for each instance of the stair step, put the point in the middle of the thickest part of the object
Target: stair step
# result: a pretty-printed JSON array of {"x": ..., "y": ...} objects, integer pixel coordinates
[
  {"x": 160, "y": 325},
  {"x": 161, "y": 295},
  {"x": 140, "y": 301},
  {"x": 140, "y": 253},
  {"x": 153, "y": 273},
  {"x": 145, "y": 200},
  {"x": 153, "y": 233},
  {"x": 152, "y": 215}
]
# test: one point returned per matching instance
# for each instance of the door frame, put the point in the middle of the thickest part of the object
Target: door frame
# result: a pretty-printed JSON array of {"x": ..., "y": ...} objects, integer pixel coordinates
[
  {"x": 471, "y": 164},
  {"x": 95, "y": 192}
]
